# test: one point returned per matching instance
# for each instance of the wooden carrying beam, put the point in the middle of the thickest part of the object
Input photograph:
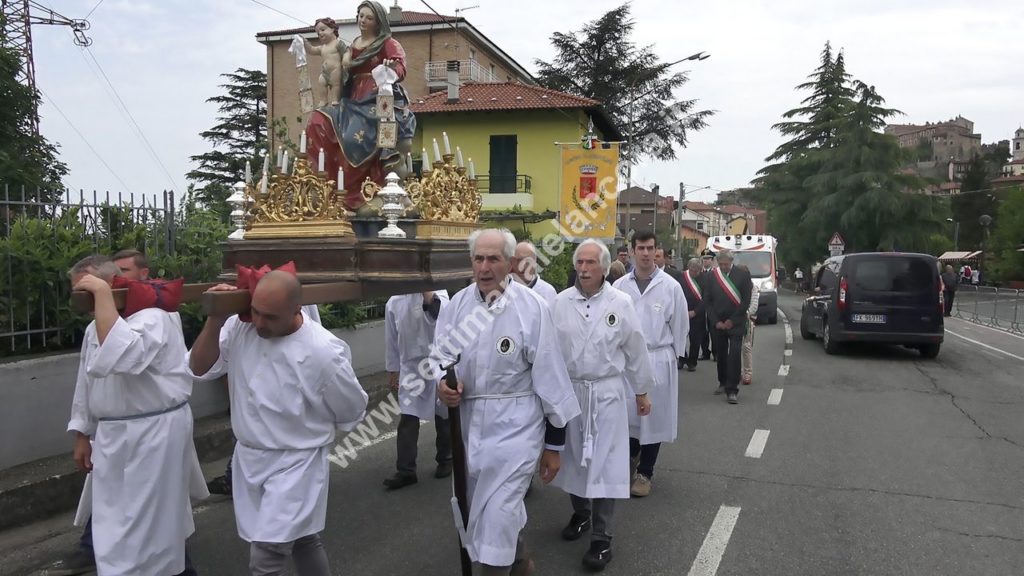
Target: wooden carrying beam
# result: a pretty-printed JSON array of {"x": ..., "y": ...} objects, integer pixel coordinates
[{"x": 235, "y": 301}]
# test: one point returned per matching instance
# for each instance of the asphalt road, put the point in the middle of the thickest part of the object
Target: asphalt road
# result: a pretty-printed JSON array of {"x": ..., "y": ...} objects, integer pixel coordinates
[{"x": 872, "y": 462}]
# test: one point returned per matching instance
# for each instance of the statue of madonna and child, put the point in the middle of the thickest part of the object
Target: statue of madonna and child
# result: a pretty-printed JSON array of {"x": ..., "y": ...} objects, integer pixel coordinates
[{"x": 346, "y": 123}]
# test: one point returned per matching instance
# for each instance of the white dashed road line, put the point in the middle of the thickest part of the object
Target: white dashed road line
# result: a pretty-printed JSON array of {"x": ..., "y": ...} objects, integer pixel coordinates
[
  {"x": 711, "y": 551},
  {"x": 757, "y": 443},
  {"x": 775, "y": 397},
  {"x": 784, "y": 370}
]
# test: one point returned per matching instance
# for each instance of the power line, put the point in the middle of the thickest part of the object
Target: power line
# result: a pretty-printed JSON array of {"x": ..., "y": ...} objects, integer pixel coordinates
[
  {"x": 84, "y": 139},
  {"x": 134, "y": 123},
  {"x": 285, "y": 14},
  {"x": 93, "y": 10}
]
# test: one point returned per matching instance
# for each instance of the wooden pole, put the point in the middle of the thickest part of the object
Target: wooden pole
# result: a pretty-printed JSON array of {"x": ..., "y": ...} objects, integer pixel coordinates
[{"x": 459, "y": 470}]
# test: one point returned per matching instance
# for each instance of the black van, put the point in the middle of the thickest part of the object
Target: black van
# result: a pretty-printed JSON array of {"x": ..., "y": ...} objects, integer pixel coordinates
[{"x": 887, "y": 297}]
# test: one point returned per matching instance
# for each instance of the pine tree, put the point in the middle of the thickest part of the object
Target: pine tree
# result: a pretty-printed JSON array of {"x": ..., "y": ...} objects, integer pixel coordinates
[
  {"x": 637, "y": 90},
  {"x": 239, "y": 136}
]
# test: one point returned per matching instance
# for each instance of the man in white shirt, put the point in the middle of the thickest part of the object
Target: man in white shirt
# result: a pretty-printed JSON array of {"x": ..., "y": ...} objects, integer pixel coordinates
[
  {"x": 292, "y": 386},
  {"x": 524, "y": 270},
  {"x": 131, "y": 401},
  {"x": 748, "y": 338},
  {"x": 409, "y": 322},
  {"x": 602, "y": 344},
  {"x": 515, "y": 399},
  {"x": 665, "y": 320}
]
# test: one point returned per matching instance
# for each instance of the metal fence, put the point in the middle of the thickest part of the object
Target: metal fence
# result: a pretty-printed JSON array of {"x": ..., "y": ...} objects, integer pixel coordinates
[
  {"x": 991, "y": 306},
  {"x": 42, "y": 234}
]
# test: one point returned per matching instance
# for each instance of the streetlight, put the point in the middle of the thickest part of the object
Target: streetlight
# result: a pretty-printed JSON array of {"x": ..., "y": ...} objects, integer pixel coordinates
[
  {"x": 956, "y": 234},
  {"x": 632, "y": 129}
]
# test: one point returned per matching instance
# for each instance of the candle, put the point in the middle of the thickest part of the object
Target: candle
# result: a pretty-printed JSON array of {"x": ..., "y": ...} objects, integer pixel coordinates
[
  {"x": 341, "y": 178},
  {"x": 472, "y": 172},
  {"x": 263, "y": 185},
  {"x": 266, "y": 163},
  {"x": 408, "y": 162},
  {"x": 279, "y": 149},
  {"x": 302, "y": 143},
  {"x": 320, "y": 161},
  {"x": 248, "y": 173},
  {"x": 458, "y": 157},
  {"x": 437, "y": 152},
  {"x": 447, "y": 146},
  {"x": 425, "y": 160},
  {"x": 284, "y": 163}
]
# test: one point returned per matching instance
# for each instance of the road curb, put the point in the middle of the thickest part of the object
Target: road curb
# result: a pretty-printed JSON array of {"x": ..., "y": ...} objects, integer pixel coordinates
[{"x": 42, "y": 488}]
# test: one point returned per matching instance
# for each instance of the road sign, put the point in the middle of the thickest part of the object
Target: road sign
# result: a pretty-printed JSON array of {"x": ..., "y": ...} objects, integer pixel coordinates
[{"x": 836, "y": 245}]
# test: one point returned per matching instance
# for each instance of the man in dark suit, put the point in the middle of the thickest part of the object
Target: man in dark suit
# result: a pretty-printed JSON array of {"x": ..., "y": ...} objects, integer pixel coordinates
[
  {"x": 693, "y": 289},
  {"x": 707, "y": 264},
  {"x": 726, "y": 299}
]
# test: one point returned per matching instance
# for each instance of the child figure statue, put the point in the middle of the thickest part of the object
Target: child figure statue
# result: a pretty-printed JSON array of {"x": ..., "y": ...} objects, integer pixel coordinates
[{"x": 331, "y": 49}]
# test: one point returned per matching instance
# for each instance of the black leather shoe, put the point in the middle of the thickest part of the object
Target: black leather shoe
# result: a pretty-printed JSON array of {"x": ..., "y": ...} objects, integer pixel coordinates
[
  {"x": 444, "y": 469},
  {"x": 720, "y": 390},
  {"x": 576, "y": 527},
  {"x": 219, "y": 485},
  {"x": 598, "y": 556},
  {"x": 705, "y": 357},
  {"x": 400, "y": 480},
  {"x": 732, "y": 398},
  {"x": 691, "y": 367}
]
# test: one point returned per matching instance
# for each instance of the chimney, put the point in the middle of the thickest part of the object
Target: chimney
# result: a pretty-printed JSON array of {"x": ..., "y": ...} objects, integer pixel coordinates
[
  {"x": 395, "y": 13},
  {"x": 453, "y": 81}
]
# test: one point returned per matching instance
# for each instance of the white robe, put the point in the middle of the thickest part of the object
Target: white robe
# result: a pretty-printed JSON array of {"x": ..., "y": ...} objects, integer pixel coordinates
[
  {"x": 602, "y": 345},
  {"x": 131, "y": 397},
  {"x": 288, "y": 395},
  {"x": 666, "y": 322},
  {"x": 546, "y": 291},
  {"x": 513, "y": 376},
  {"x": 408, "y": 336}
]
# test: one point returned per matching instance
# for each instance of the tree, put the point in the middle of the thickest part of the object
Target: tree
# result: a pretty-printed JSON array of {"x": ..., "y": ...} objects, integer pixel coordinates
[
  {"x": 975, "y": 199},
  {"x": 1008, "y": 262},
  {"x": 838, "y": 172},
  {"x": 27, "y": 159},
  {"x": 637, "y": 89},
  {"x": 239, "y": 136}
]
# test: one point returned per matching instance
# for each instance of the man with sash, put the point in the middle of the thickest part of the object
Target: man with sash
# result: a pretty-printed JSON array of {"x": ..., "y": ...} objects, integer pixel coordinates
[
  {"x": 131, "y": 401},
  {"x": 661, "y": 306},
  {"x": 515, "y": 398},
  {"x": 727, "y": 299},
  {"x": 694, "y": 293},
  {"x": 603, "y": 345},
  {"x": 292, "y": 385}
]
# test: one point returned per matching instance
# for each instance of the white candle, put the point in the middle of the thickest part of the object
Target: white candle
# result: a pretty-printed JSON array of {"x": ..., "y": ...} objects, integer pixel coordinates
[
  {"x": 447, "y": 146},
  {"x": 263, "y": 185},
  {"x": 248, "y": 173},
  {"x": 437, "y": 152},
  {"x": 284, "y": 163},
  {"x": 408, "y": 162},
  {"x": 341, "y": 178},
  {"x": 425, "y": 160},
  {"x": 302, "y": 142},
  {"x": 472, "y": 171},
  {"x": 279, "y": 149},
  {"x": 320, "y": 161},
  {"x": 266, "y": 163},
  {"x": 458, "y": 157}
]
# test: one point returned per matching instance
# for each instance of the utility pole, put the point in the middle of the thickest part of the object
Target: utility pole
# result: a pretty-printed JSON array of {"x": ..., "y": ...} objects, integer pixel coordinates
[{"x": 679, "y": 224}]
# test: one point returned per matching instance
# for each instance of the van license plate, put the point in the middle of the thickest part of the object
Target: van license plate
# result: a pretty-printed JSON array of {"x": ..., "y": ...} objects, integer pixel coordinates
[{"x": 869, "y": 318}]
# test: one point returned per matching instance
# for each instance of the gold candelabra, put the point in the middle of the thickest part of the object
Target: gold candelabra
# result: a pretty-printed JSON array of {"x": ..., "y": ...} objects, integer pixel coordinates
[{"x": 297, "y": 205}]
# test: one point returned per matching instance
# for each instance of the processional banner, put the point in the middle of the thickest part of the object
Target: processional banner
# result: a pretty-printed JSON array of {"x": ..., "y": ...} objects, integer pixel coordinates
[{"x": 588, "y": 190}]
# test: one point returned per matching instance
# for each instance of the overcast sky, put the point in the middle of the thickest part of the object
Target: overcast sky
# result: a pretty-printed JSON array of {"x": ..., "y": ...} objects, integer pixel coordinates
[{"x": 931, "y": 59}]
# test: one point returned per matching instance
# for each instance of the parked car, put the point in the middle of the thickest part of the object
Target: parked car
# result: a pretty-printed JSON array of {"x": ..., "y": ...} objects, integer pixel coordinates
[{"x": 885, "y": 297}]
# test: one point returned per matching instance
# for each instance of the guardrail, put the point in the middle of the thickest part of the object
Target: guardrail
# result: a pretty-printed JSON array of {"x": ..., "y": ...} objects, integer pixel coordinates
[{"x": 990, "y": 306}]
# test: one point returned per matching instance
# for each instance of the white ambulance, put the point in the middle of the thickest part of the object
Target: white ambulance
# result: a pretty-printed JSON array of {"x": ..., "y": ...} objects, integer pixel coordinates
[{"x": 756, "y": 252}]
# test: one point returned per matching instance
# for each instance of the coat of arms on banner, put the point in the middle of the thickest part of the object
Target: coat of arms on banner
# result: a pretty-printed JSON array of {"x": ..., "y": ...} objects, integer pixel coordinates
[{"x": 588, "y": 181}]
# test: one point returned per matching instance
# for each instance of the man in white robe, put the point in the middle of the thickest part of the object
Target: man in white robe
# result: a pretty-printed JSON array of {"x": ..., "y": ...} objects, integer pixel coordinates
[
  {"x": 661, "y": 305},
  {"x": 131, "y": 401},
  {"x": 524, "y": 270},
  {"x": 515, "y": 399},
  {"x": 291, "y": 385},
  {"x": 601, "y": 341},
  {"x": 409, "y": 322}
]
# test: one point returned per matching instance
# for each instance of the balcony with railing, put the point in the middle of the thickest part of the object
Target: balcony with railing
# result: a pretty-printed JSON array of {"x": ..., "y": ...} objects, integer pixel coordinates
[
  {"x": 505, "y": 191},
  {"x": 469, "y": 71}
]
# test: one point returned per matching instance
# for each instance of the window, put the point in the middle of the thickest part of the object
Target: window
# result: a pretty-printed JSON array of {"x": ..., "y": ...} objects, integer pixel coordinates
[
  {"x": 700, "y": 226},
  {"x": 502, "y": 176},
  {"x": 472, "y": 53},
  {"x": 493, "y": 75}
]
